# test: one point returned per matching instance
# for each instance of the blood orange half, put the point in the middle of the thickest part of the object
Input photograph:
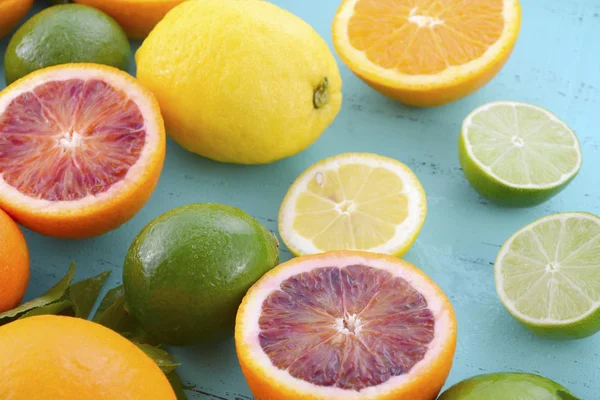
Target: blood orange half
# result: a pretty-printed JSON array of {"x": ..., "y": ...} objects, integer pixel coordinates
[
  {"x": 345, "y": 325},
  {"x": 81, "y": 149}
]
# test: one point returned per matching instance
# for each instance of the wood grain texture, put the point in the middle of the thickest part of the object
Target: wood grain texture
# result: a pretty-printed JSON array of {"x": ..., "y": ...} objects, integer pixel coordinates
[{"x": 556, "y": 64}]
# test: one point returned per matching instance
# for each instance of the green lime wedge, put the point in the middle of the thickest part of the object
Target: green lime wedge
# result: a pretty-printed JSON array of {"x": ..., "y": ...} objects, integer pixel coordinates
[
  {"x": 548, "y": 275},
  {"x": 518, "y": 154}
]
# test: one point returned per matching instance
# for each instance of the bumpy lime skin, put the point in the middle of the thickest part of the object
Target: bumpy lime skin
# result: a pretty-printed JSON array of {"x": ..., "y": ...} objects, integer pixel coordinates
[
  {"x": 187, "y": 271},
  {"x": 67, "y": 33},
  {"x": 504, "y": 386},
  {"x": 498, "y": 192}
]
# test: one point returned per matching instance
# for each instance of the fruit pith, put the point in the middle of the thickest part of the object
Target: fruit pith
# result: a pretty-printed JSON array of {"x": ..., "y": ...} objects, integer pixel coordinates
[{"x": 82, "y": 147}]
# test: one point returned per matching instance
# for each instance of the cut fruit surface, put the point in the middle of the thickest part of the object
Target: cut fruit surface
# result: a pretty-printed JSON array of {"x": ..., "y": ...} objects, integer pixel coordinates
[
  {"x": 548, "y": 275},
  {"x": 345, "y": 325},
  {"x": 518, "y": 154},
  {"x": 81, "y": 149},
  {"x": 426, "y": 53},
  {"x": 353, "y": 201}
]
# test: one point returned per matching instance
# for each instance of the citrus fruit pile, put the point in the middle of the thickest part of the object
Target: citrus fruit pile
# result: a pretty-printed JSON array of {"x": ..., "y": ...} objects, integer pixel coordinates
[{"x": 82, "y": 148}]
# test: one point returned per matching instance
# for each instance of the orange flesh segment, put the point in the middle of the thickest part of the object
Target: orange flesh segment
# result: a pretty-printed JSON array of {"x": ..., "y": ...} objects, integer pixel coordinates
[
  {"x": 66, "y": 140},
  {"x": 351, "y": 327},
  {"x": 425, "y": 37}
]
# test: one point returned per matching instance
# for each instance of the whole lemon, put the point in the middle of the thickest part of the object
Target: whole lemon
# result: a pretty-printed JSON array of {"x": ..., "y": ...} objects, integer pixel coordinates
[{"x": 240, "y": 81}]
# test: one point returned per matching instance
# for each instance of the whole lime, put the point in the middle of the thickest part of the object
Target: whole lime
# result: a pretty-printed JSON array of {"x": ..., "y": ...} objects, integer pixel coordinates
[
  {"x": 68, "y": 33},
  {"x": 188, "y": 270},
  {"x": 504, "y": 386}
]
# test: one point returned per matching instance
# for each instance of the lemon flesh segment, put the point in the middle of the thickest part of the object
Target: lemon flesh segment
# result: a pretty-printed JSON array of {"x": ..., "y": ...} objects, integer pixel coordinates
[
  {"x": 518, "y": 152},
  {"x": 353, "y": 202},
  {"x": 548, "y": 274}
]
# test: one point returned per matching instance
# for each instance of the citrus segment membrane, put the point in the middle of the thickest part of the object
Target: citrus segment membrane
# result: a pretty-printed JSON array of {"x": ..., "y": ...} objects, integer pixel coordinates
[
  {"x": 424, "y": 37},
  {"x": 550, "y": 270},
  {"x": 355, "y": 201},
  {"x": 351, "y": 327},
  {"x": 65, "y": 140},
  {"x": 522, "y": 145}
]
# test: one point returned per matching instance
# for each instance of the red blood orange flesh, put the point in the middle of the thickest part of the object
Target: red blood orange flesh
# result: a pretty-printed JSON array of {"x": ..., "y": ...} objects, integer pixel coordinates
[
  {"x": 346, "y": 325},
  {"x": 81, "y": 146}
]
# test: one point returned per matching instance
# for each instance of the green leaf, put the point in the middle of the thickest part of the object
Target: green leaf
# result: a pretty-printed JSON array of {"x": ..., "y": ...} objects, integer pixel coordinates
[
  {"x": 177, "y": 385},
  {"x": 163, "y": 359},
  {"x": 109, "y": 298},
  {"x": 112, "y": 313},
  {"x": 50, "y": 309},
  {"x": 84, "y": 294},
  {"x": 56, "y": 293}
]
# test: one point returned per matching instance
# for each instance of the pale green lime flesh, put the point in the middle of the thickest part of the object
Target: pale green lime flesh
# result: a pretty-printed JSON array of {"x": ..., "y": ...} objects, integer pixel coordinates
[
  {"x": 548, "y": 275},
  {"x": 518, "y": 154}
]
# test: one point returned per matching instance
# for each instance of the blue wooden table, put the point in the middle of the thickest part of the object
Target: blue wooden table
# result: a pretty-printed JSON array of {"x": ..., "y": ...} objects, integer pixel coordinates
[{"x": 556, "y": 64}]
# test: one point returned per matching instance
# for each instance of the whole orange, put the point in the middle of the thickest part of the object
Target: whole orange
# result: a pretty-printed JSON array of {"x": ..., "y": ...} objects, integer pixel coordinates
[
  {"x": 14, "y": 263},
  {"x": 12, "y": 11},
  {"x": 53, "y": 357}
]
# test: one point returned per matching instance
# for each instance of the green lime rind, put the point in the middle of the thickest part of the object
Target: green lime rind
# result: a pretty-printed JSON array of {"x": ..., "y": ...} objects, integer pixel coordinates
[
  {"x": 509, "y": 385},
  {"x": 498, "y": 190},
  {"x": 163, "y": 359},
  {"x": 547, "y": 275},
  {"x": 188, "y": 270},
  {"x": 84, "y": 294},
  {"x": 179, "y": 388},
  {"x": 67, "y": 33}
]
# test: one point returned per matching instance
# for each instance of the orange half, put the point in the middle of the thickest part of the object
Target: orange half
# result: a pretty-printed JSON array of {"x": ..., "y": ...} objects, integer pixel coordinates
[
  {"x": 423, "y": 52},
  {"x": 81, "y": 149},
  {"x": 345, "y": 325}
]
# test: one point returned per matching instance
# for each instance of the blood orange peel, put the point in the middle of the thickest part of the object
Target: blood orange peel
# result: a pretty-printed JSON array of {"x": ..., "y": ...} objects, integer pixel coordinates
[
  {"x": 81, "y": 149},
  {"x": 345, "y": 325}
]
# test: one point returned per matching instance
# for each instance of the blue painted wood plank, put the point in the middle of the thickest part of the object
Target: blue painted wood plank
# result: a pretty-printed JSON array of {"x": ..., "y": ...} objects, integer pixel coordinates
[{"x": 556, "y": 64}]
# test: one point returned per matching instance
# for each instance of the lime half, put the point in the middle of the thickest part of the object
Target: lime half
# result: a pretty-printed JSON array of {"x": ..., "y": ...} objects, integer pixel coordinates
[
  {"x": 518, "y": 154},
  {"x": 548, "y": 275}
]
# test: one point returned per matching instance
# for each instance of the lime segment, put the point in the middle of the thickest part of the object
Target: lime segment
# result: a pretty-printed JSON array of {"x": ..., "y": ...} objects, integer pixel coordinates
[
  {"x": 517, "y": 153},
  {"x": 548, "y": 275}
]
